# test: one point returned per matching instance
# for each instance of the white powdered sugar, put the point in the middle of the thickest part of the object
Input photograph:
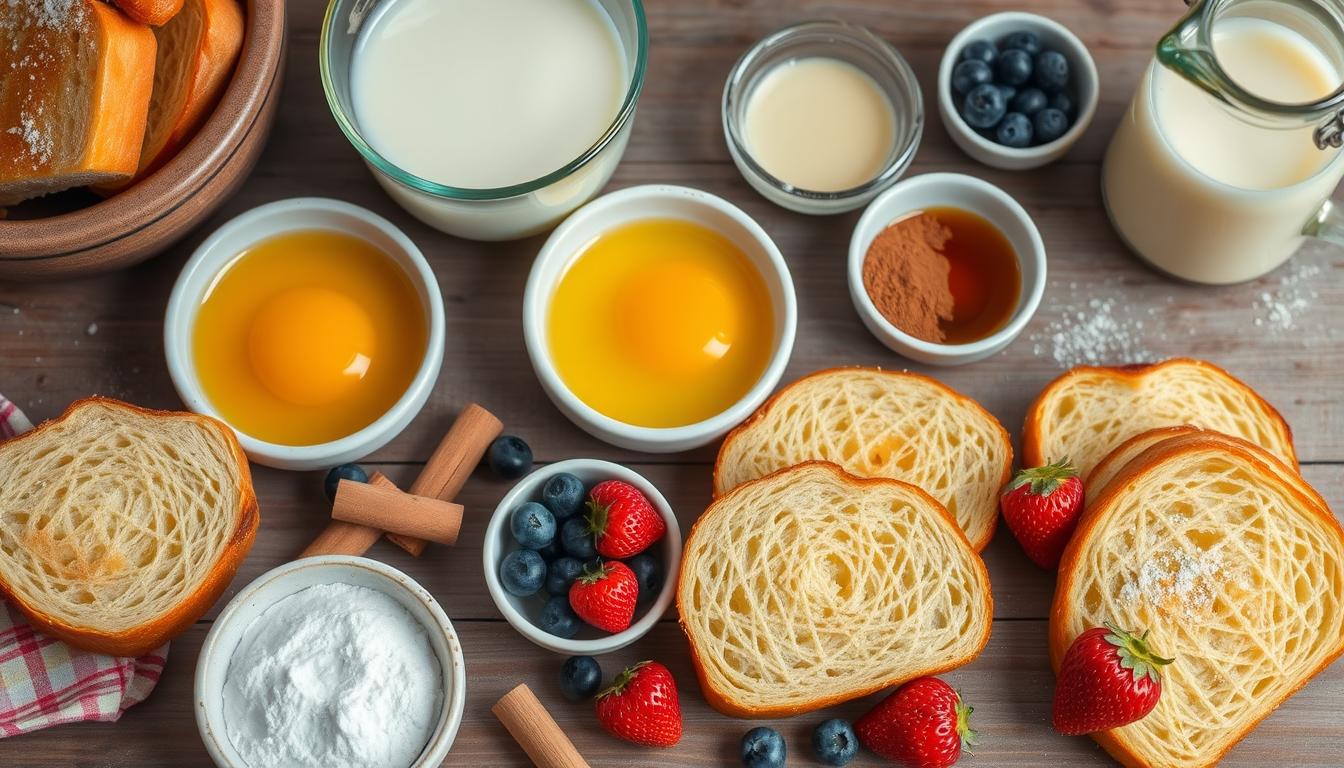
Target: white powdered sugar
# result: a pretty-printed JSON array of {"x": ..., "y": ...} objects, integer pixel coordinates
[
  {"x": 1097, "y": 331},
  {"x": 1280, "y": 309},
  {"x": 1183, "y": 583}
]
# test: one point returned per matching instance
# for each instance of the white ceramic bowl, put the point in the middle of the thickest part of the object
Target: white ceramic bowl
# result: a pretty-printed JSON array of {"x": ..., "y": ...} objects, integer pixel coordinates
[
  {"x": 971, "y": 194},
  {"x": 1085, "y": 85},
  {"x": 278, "y": 583},
  {"x": 519, "y": 610},
  {"x": 655, "y": 202},
  {"x": 262, "y": 223}
]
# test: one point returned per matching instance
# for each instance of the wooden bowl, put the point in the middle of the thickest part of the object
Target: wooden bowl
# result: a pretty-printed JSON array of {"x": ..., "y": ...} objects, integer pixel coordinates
[{"x": 85, "y": 235}]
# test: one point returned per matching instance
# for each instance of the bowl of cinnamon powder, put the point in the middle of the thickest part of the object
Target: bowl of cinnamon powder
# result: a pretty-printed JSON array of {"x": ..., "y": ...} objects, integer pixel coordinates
[{"x": 946, "y": 269}]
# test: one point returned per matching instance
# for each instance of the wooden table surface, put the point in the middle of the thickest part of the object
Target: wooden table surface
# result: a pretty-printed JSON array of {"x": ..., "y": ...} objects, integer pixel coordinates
[{"x": 62, "y": 341}]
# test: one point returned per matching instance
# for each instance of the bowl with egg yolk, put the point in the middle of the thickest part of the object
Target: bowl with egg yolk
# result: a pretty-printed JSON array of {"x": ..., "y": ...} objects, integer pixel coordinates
[
  {"x": 659, "y": 317},
  {"x": 312, "y": 327}
]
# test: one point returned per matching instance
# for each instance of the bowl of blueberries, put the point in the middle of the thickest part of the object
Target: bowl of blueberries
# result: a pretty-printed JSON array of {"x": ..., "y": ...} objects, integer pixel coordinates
[
  {"x": 1016, "y": 90},
  {"x": 581, "y": 556}
]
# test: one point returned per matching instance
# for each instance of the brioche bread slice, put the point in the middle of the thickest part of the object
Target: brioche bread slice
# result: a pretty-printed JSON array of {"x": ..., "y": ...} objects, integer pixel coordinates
[
  {"x": 75, "y": 79},
  {"x": 877, "y": 423},
  {"x": 197, "y": 49},
  {"x": 121, "y": 526},
  {"x": 1233, "y": 564},
  {"x": 812, "y": 586},
  {"x": 154, "y": 12},
  {"x": 1084, "y": 414}
]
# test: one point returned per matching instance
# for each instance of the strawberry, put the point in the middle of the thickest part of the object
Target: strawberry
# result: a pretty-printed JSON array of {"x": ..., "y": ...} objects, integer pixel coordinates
[
  {"x": 1041, "y": 506},
  {"x": 622, "y": 520},
  {"x": 641, "y": 706},
  {"x": 606, "y": 597},
  {"x": 923, "y": 724},
  {"x": 1109, "y": 678}
]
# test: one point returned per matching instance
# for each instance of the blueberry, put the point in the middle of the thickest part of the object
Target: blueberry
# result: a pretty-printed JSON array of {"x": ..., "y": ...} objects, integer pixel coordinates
[
  {"x": 763, "y": 748},
  {"x": 648, "y": 572},
  {"x": 835, "y": 742},
  {"x": 563, "y": 495},
  {"x": 1013, "y": 67},
  {"x": 558, "y": 618},
  {"x": 969, "y": 74},
  {"x": 576, "y": 539},
  {"x": 1050, "y": 124},
  {"x": 1008, "y": 92},
  {"x": 1028, "y": 101},
  {"x": 561, "y": 574},
  {"x": 532, "y": 525},
  {"x": 1023, "y": 41},
  {"x": 580, "y": 678},
  {"x": 979, "y": 50},
  {"x": 1052, "y": 71},
  {"x": 984, "y": 106},
  {"x": 552, "y": 551},
  {"x": 509, "y": 457},
  {"x": 1062, "y": 102},
  {"x": 352, "y": 472},
  {"x": 1015, "y": 131},
  {"x": 522, "y": 572}
]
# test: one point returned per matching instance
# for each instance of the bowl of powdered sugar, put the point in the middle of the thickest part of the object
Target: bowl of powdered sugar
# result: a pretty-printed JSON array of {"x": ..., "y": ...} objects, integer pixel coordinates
[{"x": 330, "y": 662}]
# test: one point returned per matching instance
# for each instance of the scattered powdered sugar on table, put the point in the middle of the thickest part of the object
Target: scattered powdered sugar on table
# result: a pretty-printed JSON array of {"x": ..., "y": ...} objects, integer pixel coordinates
[
  {"x": 1097, "y": 331},
  {"x": 1280, "y": 309}
]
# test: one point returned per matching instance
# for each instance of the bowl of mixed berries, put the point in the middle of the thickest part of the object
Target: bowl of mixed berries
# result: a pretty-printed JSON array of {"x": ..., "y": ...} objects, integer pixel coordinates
[
  {"x": 581, "y": 556},
  {"x": 1016, "y": 90}
]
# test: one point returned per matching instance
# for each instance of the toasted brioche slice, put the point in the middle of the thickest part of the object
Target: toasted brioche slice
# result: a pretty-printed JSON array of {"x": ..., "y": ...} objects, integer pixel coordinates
[
  {"x": 121, "y": 526},
  {"x": 1231, "y": 561},
  {"x": 155, "y": 12},
  {"x": 812, "y": 586},
  {"x": 1084, "y": 414},
  {"x": 75, "y": 78},
  {"x": 196, "y": 53},
  {"x": 877, "y": 423}
]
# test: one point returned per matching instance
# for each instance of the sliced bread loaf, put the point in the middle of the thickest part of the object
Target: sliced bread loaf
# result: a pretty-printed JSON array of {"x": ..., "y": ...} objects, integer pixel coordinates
[
  {"x": 1236, "y": 568},
  {"x": 812, "y": 586},
  {"x": 121, "y": 526},
  {"x": 877, "y": 423}
]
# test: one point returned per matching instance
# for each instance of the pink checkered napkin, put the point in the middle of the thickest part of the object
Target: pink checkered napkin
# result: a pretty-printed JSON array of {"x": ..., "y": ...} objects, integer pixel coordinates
[{"x": 43, "y": 681}]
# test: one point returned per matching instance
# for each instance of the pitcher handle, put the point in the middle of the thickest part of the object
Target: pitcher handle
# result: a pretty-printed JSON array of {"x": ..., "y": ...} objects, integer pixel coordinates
[{"x": 1327, "y": 224}]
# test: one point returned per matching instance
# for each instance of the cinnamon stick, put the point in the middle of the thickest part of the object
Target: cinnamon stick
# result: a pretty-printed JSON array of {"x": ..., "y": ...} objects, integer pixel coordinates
[
  {"x": 536, "y": 731},
  {"x": 388, "y": 509},
  {"x": 341, "y": 538}
]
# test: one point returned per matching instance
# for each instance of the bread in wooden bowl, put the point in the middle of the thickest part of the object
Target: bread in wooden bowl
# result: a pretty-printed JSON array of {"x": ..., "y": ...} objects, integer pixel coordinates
[
  {"x": 877, "y": 423},
  {"x": 74, "y": 96},
  {"x": 812, "y": 586},
  {"x": 1084, "y": 414},
  {"x": 120, "y": 526},
  {"x": 154, "y": 12},
  {"x": 1234, "y": 565}
]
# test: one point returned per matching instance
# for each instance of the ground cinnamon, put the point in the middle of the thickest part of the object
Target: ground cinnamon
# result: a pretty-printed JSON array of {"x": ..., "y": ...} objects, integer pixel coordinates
[{"x": 905, "y": 274}]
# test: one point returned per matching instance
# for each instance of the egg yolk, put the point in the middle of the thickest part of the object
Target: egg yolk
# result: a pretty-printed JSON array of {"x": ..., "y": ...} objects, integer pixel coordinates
[
  {"x": 310, "y": 346},
  {"x": 677, "y": 318}
]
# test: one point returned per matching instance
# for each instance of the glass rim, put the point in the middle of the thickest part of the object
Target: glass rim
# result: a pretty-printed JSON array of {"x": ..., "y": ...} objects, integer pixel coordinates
[{"x": 421, "y": 184}]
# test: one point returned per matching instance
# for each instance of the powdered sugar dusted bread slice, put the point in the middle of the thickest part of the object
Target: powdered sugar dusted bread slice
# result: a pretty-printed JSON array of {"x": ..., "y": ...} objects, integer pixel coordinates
[
  {"x": 1234, "y": 565},
  {"x": 1089, "y": 411},
  {"x": 120, "y": 526},
  {"x": 812, "y": 586},
  {"x": 877, "y": 423}
]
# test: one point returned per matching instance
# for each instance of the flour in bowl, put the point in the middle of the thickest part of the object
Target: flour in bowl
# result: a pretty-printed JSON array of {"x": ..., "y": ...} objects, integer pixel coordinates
[{"x": 332, "y": 676}]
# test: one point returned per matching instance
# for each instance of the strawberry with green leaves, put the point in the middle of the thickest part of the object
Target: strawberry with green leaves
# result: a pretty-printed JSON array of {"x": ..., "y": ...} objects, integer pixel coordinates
[
  {"x": 923, "y": 724},
  {"x": 1041, "y": 507},
  {"x": 641, "y": 706},
  {"x": 1109, "y": 678},
  {"x": 605, "y": 596},
  {"x": 622, "y": 520}
]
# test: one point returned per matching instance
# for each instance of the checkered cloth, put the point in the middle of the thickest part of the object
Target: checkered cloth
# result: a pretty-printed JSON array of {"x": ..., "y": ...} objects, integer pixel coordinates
[{"x": 43, "y": 681}]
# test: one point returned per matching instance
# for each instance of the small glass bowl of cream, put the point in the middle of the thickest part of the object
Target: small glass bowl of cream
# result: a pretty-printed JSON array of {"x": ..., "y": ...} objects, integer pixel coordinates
[{"x": 822, "y": 116}]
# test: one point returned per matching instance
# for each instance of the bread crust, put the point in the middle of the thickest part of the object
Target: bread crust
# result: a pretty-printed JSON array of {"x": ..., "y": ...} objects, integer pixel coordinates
[
  {"x": 764, "y": 410},
  {"x": 1166, "y": 450},
  {"x": 724, "y": 704},
  {"x": 152, "y": 12},
  {"x": 1031, "y": 428},
  {"x": 144, "y": 638}
]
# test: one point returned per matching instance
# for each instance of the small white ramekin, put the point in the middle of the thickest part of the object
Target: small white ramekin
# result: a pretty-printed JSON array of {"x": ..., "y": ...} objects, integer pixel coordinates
[
  {"x": 518, "y": 610},
  {"x": 265, "y": 222},
  {"x": 278, "y": 583},
  {"x": 957, "y": 191},
  {"x": 1083, "y": 73},
  {"x": 656, "y": 202}
]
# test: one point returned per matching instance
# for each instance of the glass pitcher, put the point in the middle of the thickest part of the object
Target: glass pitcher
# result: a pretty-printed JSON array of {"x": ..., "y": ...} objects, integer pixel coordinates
[{"x": 1228, "y": 154}]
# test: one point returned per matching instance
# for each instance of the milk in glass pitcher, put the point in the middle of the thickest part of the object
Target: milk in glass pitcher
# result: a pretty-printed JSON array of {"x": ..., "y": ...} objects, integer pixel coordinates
[{"x": 1229, "y": 151}]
